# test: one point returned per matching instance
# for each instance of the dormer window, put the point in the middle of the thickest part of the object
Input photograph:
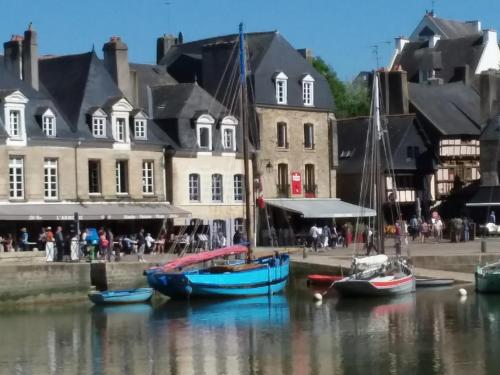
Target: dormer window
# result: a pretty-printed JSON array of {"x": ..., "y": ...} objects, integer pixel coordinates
[
  {"x": 49, "y": 123},
  {"x": 308, "y": 90},
  {"x": 119, "y": 110},
  {"x": 204, "y": 132},
  {"x": 14, "y": 117},
  {"x": 281, "y": 80},
  {"x": 99, "y": 126},
  {"x": 139, "y": 119},
  {"x": 228, "y": 133}
]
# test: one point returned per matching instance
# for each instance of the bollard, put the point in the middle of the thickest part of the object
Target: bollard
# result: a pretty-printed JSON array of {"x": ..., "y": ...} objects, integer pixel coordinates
[
  {"x": 304, "y": 253},
  {"x": 483, "y": 246}
]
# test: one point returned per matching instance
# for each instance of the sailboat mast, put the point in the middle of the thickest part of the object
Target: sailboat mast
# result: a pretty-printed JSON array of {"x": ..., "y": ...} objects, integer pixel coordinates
[
  {"x": 243, "y": 82},
  {"x": 378, "y": 171}
]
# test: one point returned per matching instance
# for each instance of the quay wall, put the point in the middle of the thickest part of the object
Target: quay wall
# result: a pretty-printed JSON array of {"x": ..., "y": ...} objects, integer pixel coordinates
[{"x": 455, "y": 263}]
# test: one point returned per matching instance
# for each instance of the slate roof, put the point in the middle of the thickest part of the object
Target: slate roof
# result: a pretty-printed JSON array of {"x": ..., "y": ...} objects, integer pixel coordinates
[
  {"x": 453, "y": 108},
  {"x": 81, "y": 83},
  {"x": 36, "y": 101},
  {"x": 403, "y": 131},
  {"x": 452, "y": 28},
  {"x": 447, "y": 55},
  {"x": 268, "y": 53}
]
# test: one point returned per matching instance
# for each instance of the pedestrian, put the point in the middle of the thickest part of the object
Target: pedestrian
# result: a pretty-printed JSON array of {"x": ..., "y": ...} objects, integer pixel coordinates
[
  {"x": 314, "y": 234},
  {"x": 74, "y": 247},
  {"x": 424, "y": 231},
  {"x": 327, "y": 236},
  {"x": 414, "y": 227},
  {"x": 335, "y": 236},
  {"x": 220, "y": 240},
  {"x": 49, "y": 245},
  {"x": 465, "y": 223},
  {"x": 59, "y": 239},
  {"x": 111, "y": 244},
  {"x": 141, "y": 245},
  {"x": 23, "y": 240},
  {"x": 149, "y": 242},
  {"x": 237, "y": 237},
  {"x": 42, "y": 239},
  {"x": 492, "y": 218},
  {"x": 160, "y": 243}
]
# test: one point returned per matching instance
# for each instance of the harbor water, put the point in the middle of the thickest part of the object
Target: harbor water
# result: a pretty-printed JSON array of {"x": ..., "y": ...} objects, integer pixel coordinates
[{"x": 428, "y": 332}]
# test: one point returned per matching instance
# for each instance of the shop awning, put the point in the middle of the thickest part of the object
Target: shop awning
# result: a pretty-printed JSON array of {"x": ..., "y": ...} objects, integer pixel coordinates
[
  {"x": 485, "y": 196},
  {"x": 321, "y": 207},
  {"x": 90, "y": 211}
]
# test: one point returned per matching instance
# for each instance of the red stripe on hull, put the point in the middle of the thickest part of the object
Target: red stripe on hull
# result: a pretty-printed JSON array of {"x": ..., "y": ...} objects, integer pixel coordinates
[{"x": 390, "y": 283}]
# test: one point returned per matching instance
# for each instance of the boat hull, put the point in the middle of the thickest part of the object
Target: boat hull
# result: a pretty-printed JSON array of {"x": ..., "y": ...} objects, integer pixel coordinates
[
  {"x": 317, "y": 279},
  {"x": 354, "y": 287},
  {"x": 119, "y": 297},
  {"x": 487, "y": 282},
  {"x": 267, "y": 277},
  {"x": 429, "y": 283}
]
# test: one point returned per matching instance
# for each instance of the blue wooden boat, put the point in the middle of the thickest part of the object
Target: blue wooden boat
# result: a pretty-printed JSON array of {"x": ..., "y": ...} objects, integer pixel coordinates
[
  {"x": 263, "y": 276},
  {"x": 111, "y": 297}
]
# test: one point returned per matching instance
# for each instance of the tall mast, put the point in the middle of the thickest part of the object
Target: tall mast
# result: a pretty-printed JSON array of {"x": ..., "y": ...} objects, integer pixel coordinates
[
  {"x": 378, "y": 171},
  {"x": 243, "y": 98}
]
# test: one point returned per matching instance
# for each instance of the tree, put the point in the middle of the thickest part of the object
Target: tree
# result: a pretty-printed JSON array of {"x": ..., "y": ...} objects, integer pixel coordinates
[{"x": 350, "y": 100}]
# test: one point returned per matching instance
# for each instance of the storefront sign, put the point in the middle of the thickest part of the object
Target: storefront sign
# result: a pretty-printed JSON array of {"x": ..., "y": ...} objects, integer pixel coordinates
[{"x": 296, "y": 183}]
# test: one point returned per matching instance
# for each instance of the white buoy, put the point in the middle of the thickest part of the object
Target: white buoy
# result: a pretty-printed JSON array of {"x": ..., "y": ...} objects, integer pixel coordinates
[
  {"x": 463, "y": 299},
  {"x": 462, "y": 292},
  {"x": 318, "y": 296},
  {"x": 318, "y": 303}
]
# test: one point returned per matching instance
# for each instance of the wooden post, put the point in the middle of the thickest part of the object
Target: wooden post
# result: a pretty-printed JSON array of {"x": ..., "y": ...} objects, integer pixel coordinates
[{"x": 483, "y": 246}]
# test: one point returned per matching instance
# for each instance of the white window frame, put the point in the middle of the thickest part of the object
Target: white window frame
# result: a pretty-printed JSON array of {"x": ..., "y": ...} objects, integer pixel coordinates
[
  {"x": 50, "y": 179},
  {"x": 308, "y": 90},
  {"x": 49, "y": 127},
  {"x": 204, "y": 122},
  {"x": 281, "y": 80},
  {"x": 120, "y": 124},
  {"x": 148, "y": 177},
  {"x": 118, "y": 177},
  {"x": 16, "y": 102},
  {"x": 16, "y": 177},
  {"x": 140, "y": 128},
  {"x": 228, "y": 124},
  {"x": 217, "y": 187},
  {"x": 99, "y": 126},
  {"x": 194, "y": 187},
  {"x": 238, "y": 187}
]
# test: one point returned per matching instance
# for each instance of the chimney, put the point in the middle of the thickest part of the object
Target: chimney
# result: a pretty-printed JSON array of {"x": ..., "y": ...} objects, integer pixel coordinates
[
  {"x": 116, "y": 62},
  {"x": 489, "y": 36},
  {"x": 30, "y": 58},
  {"x": 394, "y": 86},
  {"x": 433, "y": 40},
  {"x": 489, "y": 91},
  {"x": 306, "y": 54},
  {"x": 13, "y": 56},
  {"x": 476, "y": 24},
  {"x": 401, "y": 41},
  {"x": 164, "y": 43},
  {"x": 462, "y": 73}
]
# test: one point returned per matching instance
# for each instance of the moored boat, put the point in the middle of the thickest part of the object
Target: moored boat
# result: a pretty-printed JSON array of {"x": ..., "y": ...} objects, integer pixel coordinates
[
  {"x": 488, "y": 278},
  {"x": 124, "y": 296},
  {"x": 317, "y": 279}
]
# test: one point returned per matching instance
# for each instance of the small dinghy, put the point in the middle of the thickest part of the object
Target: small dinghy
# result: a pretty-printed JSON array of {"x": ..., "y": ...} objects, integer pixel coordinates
[
  {"x": 112, "y": 297},
  {"x": 317, "y": 279},
  {"x": 431, "y": 282}
]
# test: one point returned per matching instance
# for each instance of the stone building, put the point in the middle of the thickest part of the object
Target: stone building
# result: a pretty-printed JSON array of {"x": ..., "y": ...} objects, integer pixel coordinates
[{"x": 72, "y": 142}]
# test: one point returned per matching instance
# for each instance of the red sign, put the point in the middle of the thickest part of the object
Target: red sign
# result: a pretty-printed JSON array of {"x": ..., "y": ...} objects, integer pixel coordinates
[{"x": 296, "y": 183}]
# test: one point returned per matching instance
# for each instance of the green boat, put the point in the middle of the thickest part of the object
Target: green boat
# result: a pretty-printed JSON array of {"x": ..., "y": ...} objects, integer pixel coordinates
[{"x": 488, "y": 278}]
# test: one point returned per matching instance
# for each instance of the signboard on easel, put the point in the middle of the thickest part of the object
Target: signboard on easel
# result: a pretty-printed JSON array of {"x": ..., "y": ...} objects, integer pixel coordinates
[{"x": 296, "y": 183}]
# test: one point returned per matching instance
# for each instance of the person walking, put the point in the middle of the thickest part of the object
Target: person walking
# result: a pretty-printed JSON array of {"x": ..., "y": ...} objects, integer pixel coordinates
[
  {"x": 414, "y": 227},
  {"x": 314, "y": 234},
  {"x": 23, "y": 240},
  {"x": 111, "y": 242},
  {"x": 42, "y": 239},
  {"x": 327, "y": 236},
  {"x": 49, "y": 245},
  {"x": 141, "y": 246},
  {"x": 492, "y": 218},
  {"x": 465, "y": 223},
  {"x": 59, "y": 239}
]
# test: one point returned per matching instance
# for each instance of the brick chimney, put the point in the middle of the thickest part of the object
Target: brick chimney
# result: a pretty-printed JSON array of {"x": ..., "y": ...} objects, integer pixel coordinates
[
  {"x": 13, "y": 56},
  {"x": 30, "y": 57},
  {"x": 116, "y": 62},
  {"x": 164, "y": 43},
  {"x": 394, "y": 86}
]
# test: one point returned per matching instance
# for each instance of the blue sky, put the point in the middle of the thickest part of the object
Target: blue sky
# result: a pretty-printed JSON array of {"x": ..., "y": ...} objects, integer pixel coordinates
[{"x": 339, "y": 31}]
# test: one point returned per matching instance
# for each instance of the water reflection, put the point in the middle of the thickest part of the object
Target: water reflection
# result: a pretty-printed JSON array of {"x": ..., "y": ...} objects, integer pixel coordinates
[{"x": 430, "y": 332}]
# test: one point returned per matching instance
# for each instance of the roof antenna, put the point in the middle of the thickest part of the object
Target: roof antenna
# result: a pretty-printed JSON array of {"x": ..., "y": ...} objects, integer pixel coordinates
[
  {"x": 167, "y": 3},
  {"x": 375, "y": 50}
]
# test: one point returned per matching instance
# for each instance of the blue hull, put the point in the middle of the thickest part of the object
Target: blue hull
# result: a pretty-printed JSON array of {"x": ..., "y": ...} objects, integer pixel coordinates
[
  {"x": 121, "y": 296},
  {"x": 268, "y": 277}
]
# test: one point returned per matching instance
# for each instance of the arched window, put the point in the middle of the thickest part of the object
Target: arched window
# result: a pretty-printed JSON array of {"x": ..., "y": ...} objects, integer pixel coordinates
[
  {"x": 281, "y": 80},
  {"x": 204, "y": 132},
  {"x": 308, "y": 90}
]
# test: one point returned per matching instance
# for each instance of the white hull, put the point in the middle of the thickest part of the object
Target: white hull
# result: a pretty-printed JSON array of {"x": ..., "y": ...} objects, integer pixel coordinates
[{"x": 377, "y": 286}]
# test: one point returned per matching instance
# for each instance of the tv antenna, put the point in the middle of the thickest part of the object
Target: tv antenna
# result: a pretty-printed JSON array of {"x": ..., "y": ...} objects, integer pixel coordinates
[
  {"x": 375, "y": 51},
  {"x": 168, "y": 3}
]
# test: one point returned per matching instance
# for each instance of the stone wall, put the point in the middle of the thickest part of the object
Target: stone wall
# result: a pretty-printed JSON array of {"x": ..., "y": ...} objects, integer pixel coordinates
[{"x": 106, "y": 276}]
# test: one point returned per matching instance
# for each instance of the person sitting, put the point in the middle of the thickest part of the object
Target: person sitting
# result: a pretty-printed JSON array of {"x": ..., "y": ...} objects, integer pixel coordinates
[{"x": 237, "y": 237}]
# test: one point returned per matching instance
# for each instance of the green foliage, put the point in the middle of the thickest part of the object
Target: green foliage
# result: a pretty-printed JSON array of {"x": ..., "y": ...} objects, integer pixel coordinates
[{"x": 350, "y": 100}]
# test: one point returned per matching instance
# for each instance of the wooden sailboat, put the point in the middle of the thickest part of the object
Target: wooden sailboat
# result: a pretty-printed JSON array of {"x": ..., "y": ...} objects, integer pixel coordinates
[
  {"x": 265, "y": 275},
  {"x": 488, "y": 278},
  {"x": 377, "y": 275}
]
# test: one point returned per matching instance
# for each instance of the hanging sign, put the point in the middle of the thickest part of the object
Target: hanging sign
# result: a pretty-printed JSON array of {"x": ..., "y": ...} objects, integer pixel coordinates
[{"x": 296, "y": 183}]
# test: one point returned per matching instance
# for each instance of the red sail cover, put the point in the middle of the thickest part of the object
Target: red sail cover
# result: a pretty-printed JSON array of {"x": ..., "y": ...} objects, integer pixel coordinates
[{"x": 202, "y": 257}]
